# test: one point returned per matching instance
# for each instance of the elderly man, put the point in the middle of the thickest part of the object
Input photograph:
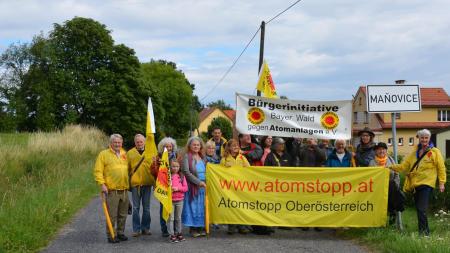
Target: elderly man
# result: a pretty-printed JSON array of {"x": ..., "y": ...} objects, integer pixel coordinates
[
  {"x": 111, "y": 173},
  {"x": 141, "y": 182},
  {"x": 340, "y": 156}
]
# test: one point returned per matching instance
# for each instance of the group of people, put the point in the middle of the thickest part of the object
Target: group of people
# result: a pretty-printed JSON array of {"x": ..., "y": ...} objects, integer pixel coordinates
[{"x": 117, "y": 171}]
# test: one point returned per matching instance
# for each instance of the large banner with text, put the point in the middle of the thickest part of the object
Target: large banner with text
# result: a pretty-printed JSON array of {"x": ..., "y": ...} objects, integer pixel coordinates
[
  {"x": 297, "y": 197},
  {"x": 293, "y": 118}
]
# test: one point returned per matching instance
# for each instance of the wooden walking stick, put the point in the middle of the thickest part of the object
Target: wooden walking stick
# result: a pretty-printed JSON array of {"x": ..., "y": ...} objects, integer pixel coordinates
[{"x": 107, "y": 217}]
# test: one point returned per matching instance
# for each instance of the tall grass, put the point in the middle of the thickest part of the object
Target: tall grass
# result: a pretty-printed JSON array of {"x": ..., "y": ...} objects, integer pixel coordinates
[
  {"x": 43, "y": 182},
  {"x": 389, "y": 239}
]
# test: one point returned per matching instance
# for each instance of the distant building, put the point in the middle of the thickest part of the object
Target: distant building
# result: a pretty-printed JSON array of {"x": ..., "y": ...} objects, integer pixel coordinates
[
  {"x": 207, "y": 115},
  {"x": 435, "y": 116}
]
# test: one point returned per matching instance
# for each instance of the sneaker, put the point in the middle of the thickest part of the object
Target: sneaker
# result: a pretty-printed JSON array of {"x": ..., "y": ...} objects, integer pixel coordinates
[
  {"x": 146, "y": 232},
  {"x": 196, "y": 234},
  {"x": 173, "y": 239},
  {"x": 180, "y": 238},
  {"x": 165, "y": 234},
  {"x": 203, "y": 232},
  {"x": 135, "y": 234},
  {"x": 122, "y": 237},
  {"x": 116, "y": 240},
  {"x": 318, "y": 229}
]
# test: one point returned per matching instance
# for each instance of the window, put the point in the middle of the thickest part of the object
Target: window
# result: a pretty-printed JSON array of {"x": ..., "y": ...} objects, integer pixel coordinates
[
  {"x": 360, "y": 100},
  {"x": 355, "y": 117},
  {"x": 366, "y": 118},
  {"x": 390, "y": 141},
  {"x": 443, "y": 115},
  {"x": 411, "y": 141},
  {"x": 400, "y": 141},
  {"x": 397, "y": 115}
]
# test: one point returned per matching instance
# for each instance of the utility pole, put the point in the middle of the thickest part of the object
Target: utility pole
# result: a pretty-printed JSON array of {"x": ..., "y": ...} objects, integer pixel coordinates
[{"x": 261, "y": 51}]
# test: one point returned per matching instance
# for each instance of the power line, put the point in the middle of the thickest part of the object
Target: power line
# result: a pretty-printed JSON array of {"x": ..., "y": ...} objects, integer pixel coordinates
[
  {"x": 245, "y": 48},
  {"x": 232, "y": 65},
  {"x": 279, "y": 14}
]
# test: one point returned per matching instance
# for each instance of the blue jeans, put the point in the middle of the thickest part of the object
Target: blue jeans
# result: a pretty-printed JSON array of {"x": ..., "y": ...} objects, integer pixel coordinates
[
  {"x": 421, "y": 199},
  {"x": 162, "y": 222},
  {"x": 138, "y": 195}
]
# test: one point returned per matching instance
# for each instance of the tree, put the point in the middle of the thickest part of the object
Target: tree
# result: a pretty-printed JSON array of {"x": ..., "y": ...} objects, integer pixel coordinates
[
  {"x": 174, "y": 97},
  {"x": 220, "y": 104},
  {"x": 224, "y": 125}
]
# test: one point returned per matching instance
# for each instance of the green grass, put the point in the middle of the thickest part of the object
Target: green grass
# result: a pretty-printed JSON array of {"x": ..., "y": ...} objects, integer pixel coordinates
[
  {"x": 44, "y": 180},
  {"x": 390, "y": 240}
]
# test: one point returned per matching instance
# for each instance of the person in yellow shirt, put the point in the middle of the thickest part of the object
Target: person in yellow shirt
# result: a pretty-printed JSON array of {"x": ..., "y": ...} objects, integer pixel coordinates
[
  {"x": 141, "y": 182},
  {"x": 423, "y": 175},
  {"x": 232, "y": 155},
  {"x": 111, "y": 173}
]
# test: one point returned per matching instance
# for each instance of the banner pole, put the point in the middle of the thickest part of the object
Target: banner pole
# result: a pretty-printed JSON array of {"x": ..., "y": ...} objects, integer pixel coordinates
[{"x": 261, "y": 51}]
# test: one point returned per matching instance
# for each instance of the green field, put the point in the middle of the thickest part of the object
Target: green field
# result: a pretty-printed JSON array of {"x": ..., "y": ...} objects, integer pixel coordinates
[{"x": 44, "y": 179}]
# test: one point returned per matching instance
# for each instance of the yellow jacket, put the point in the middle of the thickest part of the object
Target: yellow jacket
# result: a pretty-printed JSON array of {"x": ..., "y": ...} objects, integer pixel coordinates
[
  {"x": 230, "y": 161},
  {"x": 142, "y": 175},
  {"x": 112, "y": 170},
  {"x": 429, "y": 168}
]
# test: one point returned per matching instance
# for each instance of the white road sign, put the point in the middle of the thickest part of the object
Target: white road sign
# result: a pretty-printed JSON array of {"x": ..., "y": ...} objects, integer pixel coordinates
[{"x": 393, "y": 98}]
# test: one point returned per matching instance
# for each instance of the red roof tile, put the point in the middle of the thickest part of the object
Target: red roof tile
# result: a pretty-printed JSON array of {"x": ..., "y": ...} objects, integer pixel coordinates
[
  {"x": 205, "y": 112},
  {"x": 230, "y": 113}
]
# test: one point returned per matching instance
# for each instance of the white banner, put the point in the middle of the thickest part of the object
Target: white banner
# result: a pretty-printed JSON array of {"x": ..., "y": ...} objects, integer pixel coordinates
[{"x": 293, "y": 118}]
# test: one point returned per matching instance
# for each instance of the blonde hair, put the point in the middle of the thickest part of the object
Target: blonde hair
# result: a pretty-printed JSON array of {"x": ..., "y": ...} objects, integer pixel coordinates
[
  {"x": 210, "y": 144},
  {"x": 227, "y": 151}
]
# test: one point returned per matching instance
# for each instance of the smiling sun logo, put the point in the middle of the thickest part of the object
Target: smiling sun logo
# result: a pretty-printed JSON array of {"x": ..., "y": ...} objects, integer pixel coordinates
[
  {"x": 329, "y": 120},
  {"x": 255, "y": 116}
]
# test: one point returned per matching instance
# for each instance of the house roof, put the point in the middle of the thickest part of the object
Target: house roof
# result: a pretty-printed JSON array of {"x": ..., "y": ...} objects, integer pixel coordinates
[
  {"x": 430, "y": 125},
  {"x": 205, "y": 112},
  {"x": 429, "y": 96},
  {"x": 231, "y": 114}
]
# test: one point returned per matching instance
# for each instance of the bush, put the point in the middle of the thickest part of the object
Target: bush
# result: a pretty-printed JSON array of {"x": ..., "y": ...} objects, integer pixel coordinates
[{"x": 224, "y": 125}]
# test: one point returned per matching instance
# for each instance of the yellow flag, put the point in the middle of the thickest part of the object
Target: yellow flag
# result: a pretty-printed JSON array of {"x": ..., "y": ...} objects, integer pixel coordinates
[
  {"x": 265, "y": 82},
  {"x": 163, "y": 188},
  {"x": 150, "y": 146}
]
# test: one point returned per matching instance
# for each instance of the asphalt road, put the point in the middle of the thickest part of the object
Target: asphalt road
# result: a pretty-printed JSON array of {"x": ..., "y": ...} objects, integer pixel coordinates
[{"x": 86, "y": 233}]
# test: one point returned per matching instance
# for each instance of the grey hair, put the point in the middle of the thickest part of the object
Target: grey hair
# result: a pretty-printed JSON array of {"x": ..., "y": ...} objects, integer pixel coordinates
[
  {"x": 423, "y": 132},
  {"x": 115, "y": 136},
  {"x": 138, "y": 135},
  {"x": 167, "y": 140},
  {"x": 210, "y": 144},
  {"x": 338, "y": 140},
  {"x": 194, "y": 138}
]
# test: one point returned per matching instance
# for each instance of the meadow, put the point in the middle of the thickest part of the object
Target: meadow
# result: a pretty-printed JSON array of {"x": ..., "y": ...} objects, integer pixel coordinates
[{"x": 45, "y": 178}]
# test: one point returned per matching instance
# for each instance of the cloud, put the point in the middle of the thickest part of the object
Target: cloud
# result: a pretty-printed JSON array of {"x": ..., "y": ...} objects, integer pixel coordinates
[{"x": 316, "y": 50}]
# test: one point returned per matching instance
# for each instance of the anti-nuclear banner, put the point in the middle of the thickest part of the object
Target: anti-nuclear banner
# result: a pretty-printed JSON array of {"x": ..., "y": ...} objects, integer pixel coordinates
[
  {"x": 298, "y": 197},
  {"x": 293, "y": 118}
]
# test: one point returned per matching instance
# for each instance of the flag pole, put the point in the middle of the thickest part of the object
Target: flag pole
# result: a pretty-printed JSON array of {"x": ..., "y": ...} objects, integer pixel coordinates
[
  {"x": 261, "y": 51},
  {"x": 107, "y": 217}
]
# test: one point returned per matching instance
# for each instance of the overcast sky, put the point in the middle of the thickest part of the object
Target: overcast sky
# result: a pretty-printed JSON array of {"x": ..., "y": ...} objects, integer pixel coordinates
[{"x": 318, "y": 50}]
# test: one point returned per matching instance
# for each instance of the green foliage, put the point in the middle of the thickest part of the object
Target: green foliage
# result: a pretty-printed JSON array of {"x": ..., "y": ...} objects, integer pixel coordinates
[
  {"x": 44, "y": 179},
  {"x": 442, "y": 200},
  {"x": 388, "y": 239},
  {"x": 220, "y": 104},
  {"x": 224, "y": 125},
  {"x": 174, "y": 103}
]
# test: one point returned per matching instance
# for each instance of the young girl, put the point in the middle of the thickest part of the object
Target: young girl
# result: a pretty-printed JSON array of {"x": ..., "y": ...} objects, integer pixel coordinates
[
  {"x": 179, "y": 187},
  {"x": 232, "y": 155},
  {"x": 211, "y": 156}
]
